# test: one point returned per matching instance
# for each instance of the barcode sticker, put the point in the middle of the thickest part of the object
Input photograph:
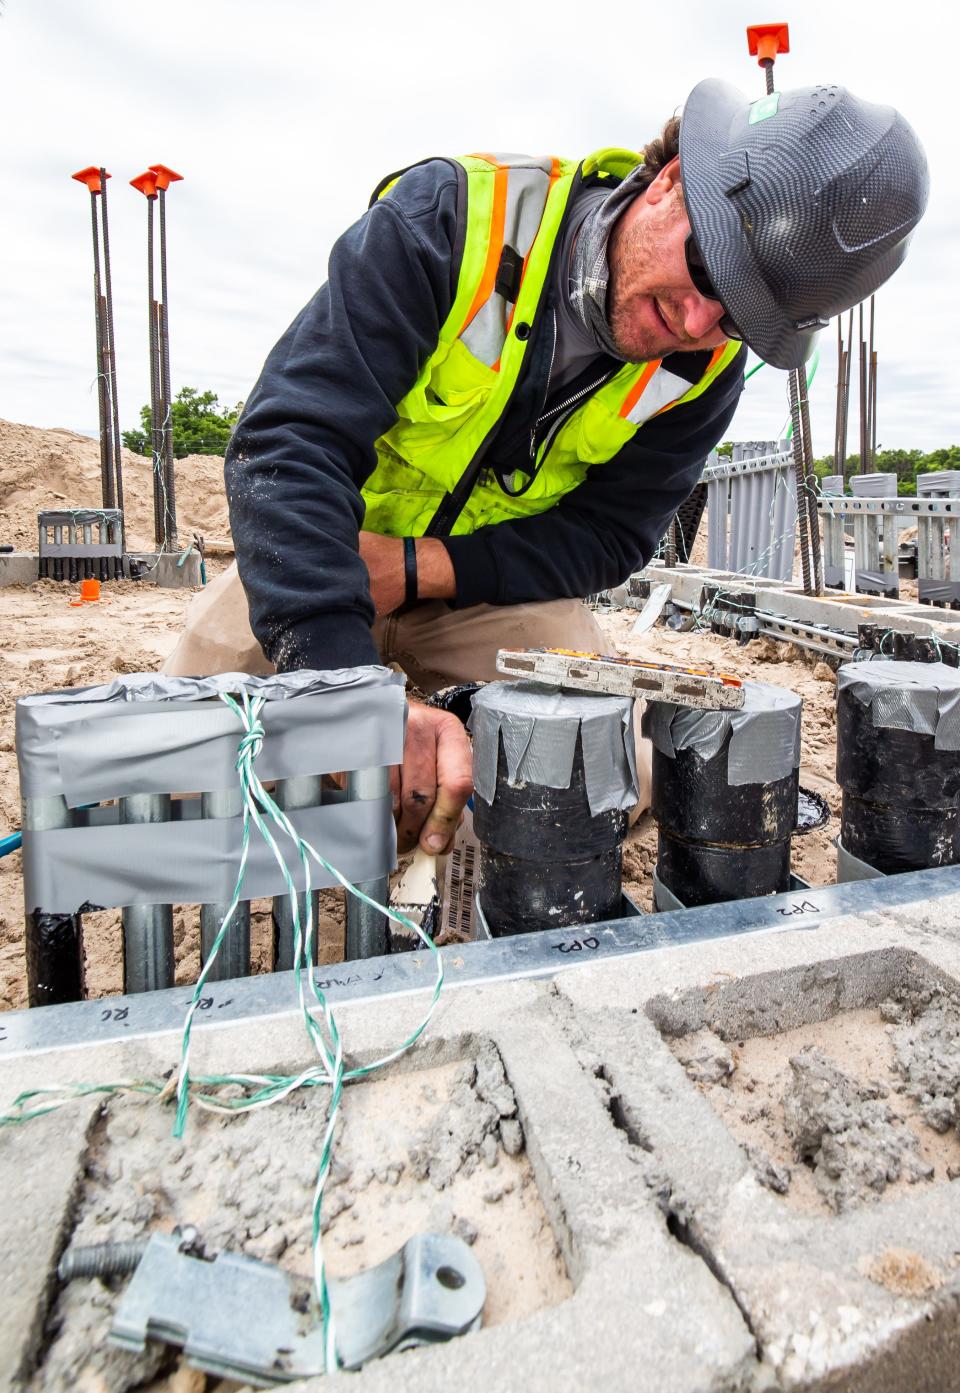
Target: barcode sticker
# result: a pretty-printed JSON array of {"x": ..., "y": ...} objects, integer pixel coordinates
[{"x": 459, "y": 884}]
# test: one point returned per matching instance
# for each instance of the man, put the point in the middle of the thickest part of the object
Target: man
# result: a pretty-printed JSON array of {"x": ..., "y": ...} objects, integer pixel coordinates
[{"x": 510, "y": 382}]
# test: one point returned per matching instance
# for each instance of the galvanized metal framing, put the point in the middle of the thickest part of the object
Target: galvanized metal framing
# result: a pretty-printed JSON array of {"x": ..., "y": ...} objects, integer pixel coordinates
[
  {"x": 872, "y": 516},
  {"x": 752, "y": 510},
  {"x": 521, "y": 956},
  {"x": 827, "y": 623}
]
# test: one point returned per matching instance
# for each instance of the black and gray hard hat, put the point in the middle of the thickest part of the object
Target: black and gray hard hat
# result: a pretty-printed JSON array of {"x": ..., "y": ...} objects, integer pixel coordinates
[{"x": 801, "y": 204}]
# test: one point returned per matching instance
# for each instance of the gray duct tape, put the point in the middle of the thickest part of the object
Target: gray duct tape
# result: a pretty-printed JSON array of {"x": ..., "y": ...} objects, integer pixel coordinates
[
  {"x": 922, "y": 697},
  {"x": 876, "y": 582},
  {"x": 152, "y": 734},
  {"x": 764, "y": 735},
  {"x": 195, "y": 860},
  {"x": 938, "y": 592},
  {"x": 539, "y": 728}
]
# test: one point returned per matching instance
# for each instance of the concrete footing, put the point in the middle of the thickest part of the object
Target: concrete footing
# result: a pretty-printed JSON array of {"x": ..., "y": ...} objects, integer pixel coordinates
[
  {"x": 688, "y": 1275},
  {"x": 18, "y": 567},
  {"x": 164, "y": 568}
]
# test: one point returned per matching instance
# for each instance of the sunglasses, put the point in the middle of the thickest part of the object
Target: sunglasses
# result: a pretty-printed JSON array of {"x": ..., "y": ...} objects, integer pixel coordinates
[{"x": 704, "y": 285}]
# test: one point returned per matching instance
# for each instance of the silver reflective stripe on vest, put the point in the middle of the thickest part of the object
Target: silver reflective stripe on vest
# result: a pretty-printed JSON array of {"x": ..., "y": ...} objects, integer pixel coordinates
[
  {"x": 527, "y": 187},
  {"x": 662, "y": 389}
]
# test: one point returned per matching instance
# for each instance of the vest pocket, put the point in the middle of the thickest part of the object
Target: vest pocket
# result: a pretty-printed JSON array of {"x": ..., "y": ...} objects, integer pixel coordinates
[{"x": 457, "y": 386}]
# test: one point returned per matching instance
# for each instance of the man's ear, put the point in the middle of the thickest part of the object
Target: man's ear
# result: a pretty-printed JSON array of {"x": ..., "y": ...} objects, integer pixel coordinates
[{"x": 664, "y": 182}]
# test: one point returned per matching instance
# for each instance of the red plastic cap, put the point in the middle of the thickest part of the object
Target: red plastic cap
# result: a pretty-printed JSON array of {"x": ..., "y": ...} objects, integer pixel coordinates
[
  {"x": 765, "y": 41},
  {"x": 91, "y": 177},
  {"x": 146, "y": 183},
  {"x": 165, "y": 175}
]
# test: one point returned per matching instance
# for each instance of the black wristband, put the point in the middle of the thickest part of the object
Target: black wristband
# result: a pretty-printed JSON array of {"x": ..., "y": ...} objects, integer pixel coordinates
[{"x": 409, "y": 572}]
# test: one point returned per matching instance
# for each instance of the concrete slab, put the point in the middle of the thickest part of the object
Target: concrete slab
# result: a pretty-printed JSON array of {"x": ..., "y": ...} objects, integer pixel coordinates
[
  {"x": 807, "y": 1285},
  {"x": 18, "y": 568},
  {"x": 166, "y": 570},
  {"x": 687, "y": 1275},
  {"x": 38, "y": 1190}
]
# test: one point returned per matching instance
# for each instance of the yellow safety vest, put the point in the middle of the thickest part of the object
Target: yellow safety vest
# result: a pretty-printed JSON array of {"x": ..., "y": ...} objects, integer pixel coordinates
[{"x": 465, "y": 387}]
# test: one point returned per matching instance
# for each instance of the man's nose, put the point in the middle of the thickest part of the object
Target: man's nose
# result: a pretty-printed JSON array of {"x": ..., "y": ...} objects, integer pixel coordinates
[{"x": 700, "y": 315}]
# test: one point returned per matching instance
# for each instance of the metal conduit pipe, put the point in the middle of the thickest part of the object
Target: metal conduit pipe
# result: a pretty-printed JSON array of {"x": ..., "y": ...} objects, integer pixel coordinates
[
  {"x": 290, "y": 794},
  {"x": 366, "y": 935},
  {"x": 148, "y": 962},
  {"x": 233, "y": 959}
]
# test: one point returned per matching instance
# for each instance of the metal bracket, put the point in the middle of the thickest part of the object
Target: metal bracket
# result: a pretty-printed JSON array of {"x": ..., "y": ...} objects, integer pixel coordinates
[{"x": 243, "y": 1319}]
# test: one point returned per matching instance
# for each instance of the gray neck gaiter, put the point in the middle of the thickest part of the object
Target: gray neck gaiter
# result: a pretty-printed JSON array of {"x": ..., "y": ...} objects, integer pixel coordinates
[{"x": 589, "y": 271}]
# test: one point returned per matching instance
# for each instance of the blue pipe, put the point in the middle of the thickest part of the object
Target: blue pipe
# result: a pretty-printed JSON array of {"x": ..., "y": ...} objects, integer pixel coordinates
[{"x": 11, "y": 843}]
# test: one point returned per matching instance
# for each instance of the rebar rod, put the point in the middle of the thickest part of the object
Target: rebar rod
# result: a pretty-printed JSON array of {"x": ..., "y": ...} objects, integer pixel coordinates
[
  {"x": 871, "y": 403},
  {"x": 154, "y": 369},
  {"x": 810, "y": 484},
  {"x": 863, "y": 394},
  {"x": 848, "y": 355},
  {"x": 108, "y": 292},
  {"x": 800, "y": 472},
  {"x": 838, "y": 414},
  {"x": 159, "y": 508},
  {"x": 170, "y": 503},
  {"x": 106, "y": 463}
]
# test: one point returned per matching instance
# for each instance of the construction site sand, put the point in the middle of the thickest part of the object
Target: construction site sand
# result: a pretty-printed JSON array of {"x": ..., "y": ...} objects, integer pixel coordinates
[
  {"x": 435, "y": 1150},
  {"x": 45, "y": 644},
  {"x": 751, "y": 1084}
]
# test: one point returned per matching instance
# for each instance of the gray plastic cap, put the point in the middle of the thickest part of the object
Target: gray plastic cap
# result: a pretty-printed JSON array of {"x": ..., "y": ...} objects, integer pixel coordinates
[{"x": 802, "y": 204}]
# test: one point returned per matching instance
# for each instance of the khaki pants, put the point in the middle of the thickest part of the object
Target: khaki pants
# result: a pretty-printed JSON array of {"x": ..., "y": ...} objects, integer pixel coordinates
[{"x": 433, "y": 644}]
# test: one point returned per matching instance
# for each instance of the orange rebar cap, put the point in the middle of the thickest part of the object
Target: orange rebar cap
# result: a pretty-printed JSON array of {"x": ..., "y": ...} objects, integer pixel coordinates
[
  {"x": 89, "y": 590},
  {"x": 765, "y": 41},
  {"x": 165, "y": 175},
  {"x": 91, "y": 177},
  {"x": 146, "y": 183}
]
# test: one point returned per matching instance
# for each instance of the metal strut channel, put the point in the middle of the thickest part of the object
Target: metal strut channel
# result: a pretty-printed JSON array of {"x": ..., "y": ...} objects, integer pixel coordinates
[{"x": 524, "y": 955}]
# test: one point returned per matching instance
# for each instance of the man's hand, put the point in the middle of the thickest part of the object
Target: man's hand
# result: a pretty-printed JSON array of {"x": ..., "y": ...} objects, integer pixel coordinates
[
  {"x": 435, "y": 781},
  {"x": 383, "y": 558}
]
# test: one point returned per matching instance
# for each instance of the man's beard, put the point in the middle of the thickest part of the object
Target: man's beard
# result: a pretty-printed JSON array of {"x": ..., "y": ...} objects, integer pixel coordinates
[{"x": 634, "y": 248}]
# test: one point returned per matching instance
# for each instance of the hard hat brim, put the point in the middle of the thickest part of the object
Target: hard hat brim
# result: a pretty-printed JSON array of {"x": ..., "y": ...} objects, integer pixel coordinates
[{"x": 710, "y": 173}]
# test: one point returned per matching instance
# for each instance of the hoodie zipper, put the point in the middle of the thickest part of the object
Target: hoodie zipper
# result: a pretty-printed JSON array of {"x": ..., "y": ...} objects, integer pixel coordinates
[{"x": 563, "y": 411}]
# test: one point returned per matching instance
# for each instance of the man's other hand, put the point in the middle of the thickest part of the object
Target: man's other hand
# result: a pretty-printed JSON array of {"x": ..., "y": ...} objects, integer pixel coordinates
[{"x": 431, "y": 789}]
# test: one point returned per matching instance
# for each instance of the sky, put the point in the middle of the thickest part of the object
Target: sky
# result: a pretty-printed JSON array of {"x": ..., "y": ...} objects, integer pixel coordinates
[{"x": 282, "y": 115}]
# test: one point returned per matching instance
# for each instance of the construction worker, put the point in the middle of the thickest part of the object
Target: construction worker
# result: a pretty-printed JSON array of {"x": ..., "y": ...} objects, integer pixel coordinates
[{"x": 511, "y": 380}]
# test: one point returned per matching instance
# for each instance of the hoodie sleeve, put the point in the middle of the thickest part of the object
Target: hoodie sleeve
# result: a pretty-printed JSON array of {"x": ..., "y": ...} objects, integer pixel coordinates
[{"x": 304, "y": 445}]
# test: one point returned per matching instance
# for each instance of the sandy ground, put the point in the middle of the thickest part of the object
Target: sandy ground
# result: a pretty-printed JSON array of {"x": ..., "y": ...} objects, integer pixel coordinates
[
  {"x": 851, "y": 1110},
  {"x": 45, "y": 644}
]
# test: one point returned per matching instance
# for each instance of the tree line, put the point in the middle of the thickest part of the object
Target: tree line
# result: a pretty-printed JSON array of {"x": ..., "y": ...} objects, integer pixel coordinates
[{"x": 200, "y": 425}]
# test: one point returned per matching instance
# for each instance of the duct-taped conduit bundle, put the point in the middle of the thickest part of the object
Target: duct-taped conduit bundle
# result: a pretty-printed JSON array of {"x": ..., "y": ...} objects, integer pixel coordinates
[
  {"x": 725, "y": 786},
  {"x": 898, "y": 765}
]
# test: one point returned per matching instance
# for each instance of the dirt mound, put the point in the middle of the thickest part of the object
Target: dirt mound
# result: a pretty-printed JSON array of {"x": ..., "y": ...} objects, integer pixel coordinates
[{"x": 58, "y": 468}]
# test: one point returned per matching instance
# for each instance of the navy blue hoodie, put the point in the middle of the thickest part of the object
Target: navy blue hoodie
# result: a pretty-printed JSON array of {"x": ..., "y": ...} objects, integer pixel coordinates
[{"x": 305, "y": 444}]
